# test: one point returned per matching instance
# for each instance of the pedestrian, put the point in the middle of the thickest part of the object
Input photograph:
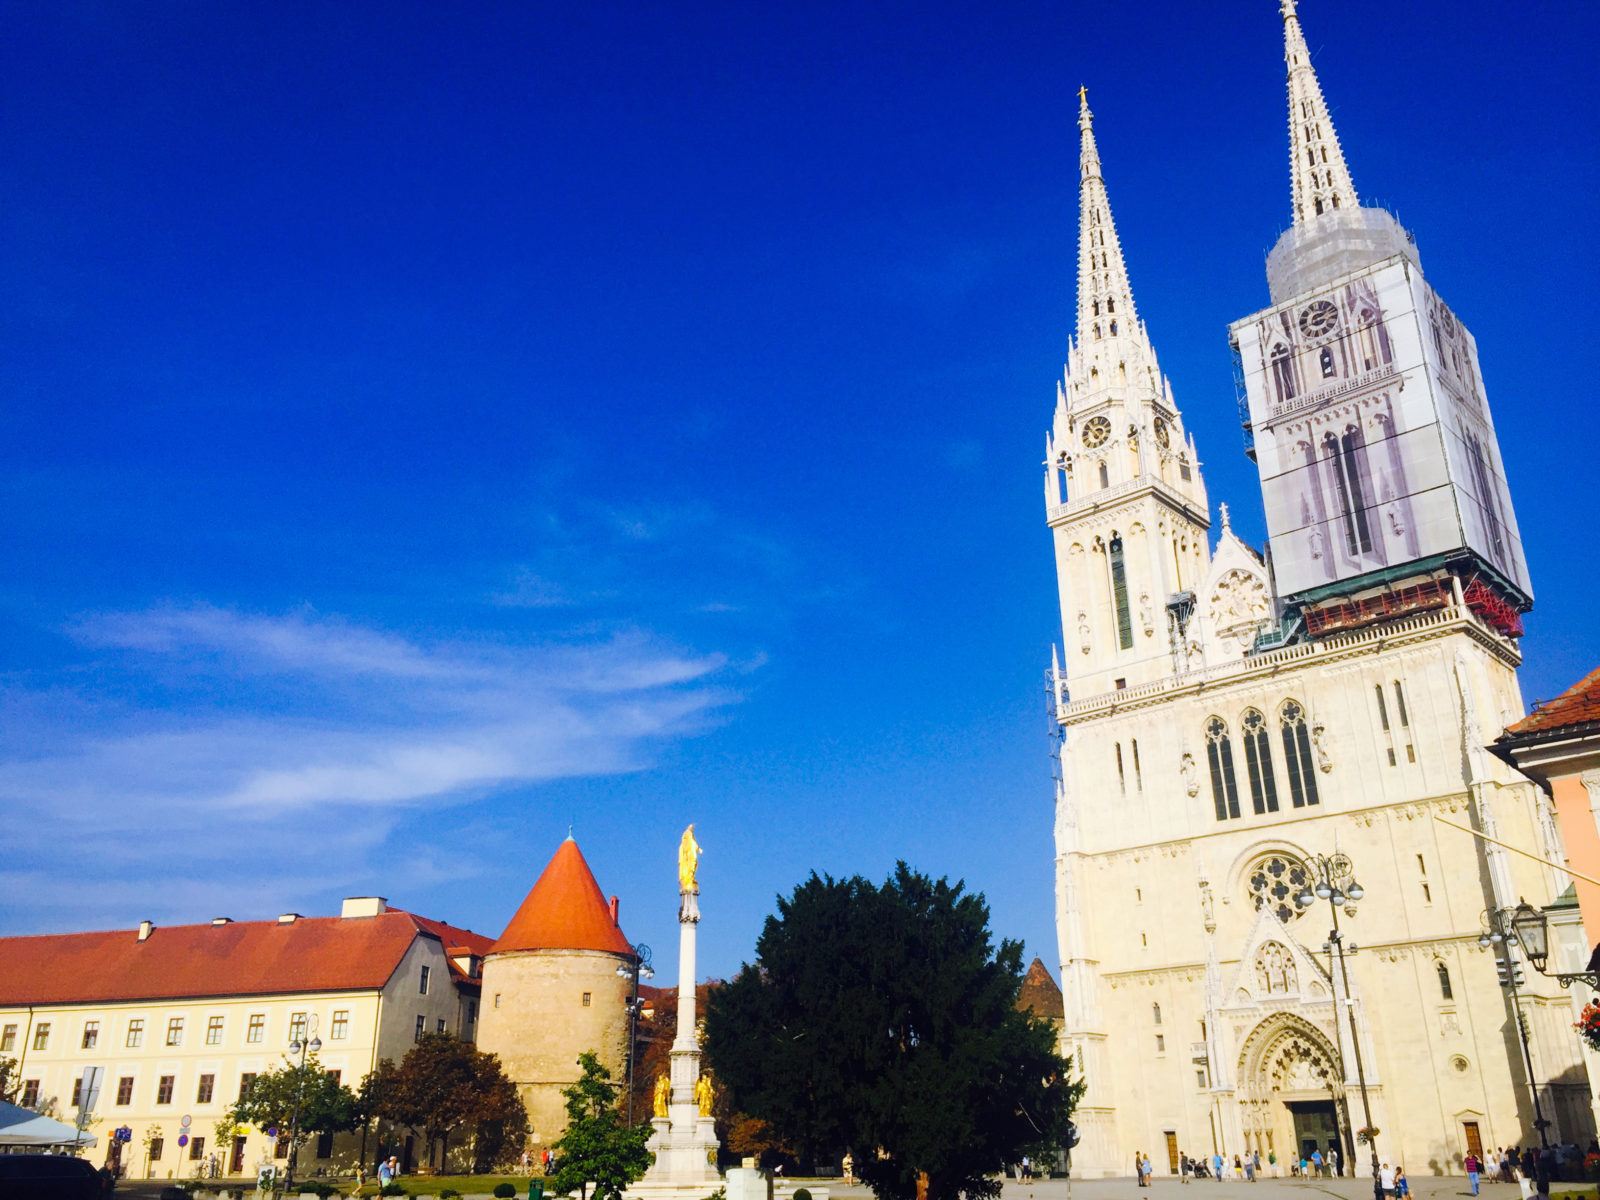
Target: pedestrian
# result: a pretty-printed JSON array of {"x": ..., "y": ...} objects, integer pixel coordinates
[
  {"x": 1250, "y": 1168},
  {"x": 1316, "y": 1163},
  {"x": 1272, "y": 1162},
  {"x": 1255, "y": 1162},
  {"x": 525, "y": 1160},
  {"x": 1471, "y": 1165},
  {"x": 1386, "y": 1179},
  {"x": 1184, "y": 1167},
  {"x": 1333, "y": 1160},
  {"x": 1216, "y": 1167},
  {"x": 1149, "y": 1170},
  {"x": 385, "y": 1175},
  {"x": 1401, "y": 1186}
]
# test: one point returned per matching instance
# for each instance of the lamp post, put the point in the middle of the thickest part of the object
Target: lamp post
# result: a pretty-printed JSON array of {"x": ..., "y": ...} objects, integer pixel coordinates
[
  {"x": 1501, "y": 929},
  {"x": 632, "y": 971},
  {"x": 1336, "y": 883},
  {"x": 299, "y": 1045},
  {"x": 1532, "y": 929}
]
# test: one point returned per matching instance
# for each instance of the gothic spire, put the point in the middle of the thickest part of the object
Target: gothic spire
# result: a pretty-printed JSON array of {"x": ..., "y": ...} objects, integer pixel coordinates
[
  {"x": 1105, "y": 300},
  {"x": 1320, "y": 181}
]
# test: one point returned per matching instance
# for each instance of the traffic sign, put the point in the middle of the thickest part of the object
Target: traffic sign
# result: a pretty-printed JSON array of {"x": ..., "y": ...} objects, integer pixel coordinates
[
  {"x": 272, "y": 1132},
  {"x": 183, "y": 1139},
  {"x": 187, "y": 1121}
]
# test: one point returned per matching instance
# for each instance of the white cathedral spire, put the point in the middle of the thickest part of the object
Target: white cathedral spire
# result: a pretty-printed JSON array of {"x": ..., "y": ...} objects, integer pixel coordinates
[
  {"x": 1105, "y": 299},
  {"x": 1320, "y": 181}
]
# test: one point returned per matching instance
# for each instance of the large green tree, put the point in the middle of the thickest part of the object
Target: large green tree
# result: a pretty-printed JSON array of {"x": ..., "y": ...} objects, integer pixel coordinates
[
  {"x": 598, "y": 1147},
  {"x": 323, "y": 1104},
  {"x": 884, "y": 1019},
  {"x": 445, "y": 1088}
]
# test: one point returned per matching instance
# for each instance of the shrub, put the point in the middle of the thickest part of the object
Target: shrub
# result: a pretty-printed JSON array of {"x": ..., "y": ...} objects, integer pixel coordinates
[
  {"x": 802, "y": 1194},
  {"x": 505, "y": 1190},
  {"x": 393, "y": 1189},
  {"x": 448, "y": 1193}
]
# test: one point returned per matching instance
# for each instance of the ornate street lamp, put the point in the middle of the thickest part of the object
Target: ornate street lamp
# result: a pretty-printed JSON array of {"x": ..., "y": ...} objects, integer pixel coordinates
[
  {"x": 297, "y": 1046},
  {"x": 1336, "y": 883},
  {"x": 632, "y": 971},
  {"x": 1502, "y": 928}
]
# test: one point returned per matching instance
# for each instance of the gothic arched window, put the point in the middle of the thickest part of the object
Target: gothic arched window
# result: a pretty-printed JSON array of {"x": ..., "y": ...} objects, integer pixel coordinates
[
  {"x": 1297, "y": 754},
  {"x": 1258, "y": 761},
  {"x": 1354, "y": 447},
  {"x": 1105, "y": 476},
  {"x": 1283, "y": 372},
  {"x": 1119, "y": 585},
  {"x": 1219, "y": 754},
  {"x": 1445, "y": 991},
  {"x": 1331, "y": 453}
]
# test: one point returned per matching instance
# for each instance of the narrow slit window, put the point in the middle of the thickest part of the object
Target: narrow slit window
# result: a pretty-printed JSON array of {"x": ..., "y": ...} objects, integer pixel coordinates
[
  {"x": 1446, "y": 992},
  {"x": 1122, "y": 782},
  {"x": 1383, "y": 709},
  {"x": 1138, "y": 775},
  {"x": 1400, "y": 706}
]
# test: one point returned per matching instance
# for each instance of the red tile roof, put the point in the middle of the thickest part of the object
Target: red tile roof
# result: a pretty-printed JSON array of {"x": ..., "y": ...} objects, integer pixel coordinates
[
  {"x": 1578, "y": 705},
  {"x": 240, "y": 958},
  {"x": 565, "y": 911},
  {"x": 1040, "y": 995}
]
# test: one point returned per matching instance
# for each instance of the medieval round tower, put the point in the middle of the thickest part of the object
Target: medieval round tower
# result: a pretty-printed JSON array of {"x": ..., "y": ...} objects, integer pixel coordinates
[{"x": 551, "y": 988}]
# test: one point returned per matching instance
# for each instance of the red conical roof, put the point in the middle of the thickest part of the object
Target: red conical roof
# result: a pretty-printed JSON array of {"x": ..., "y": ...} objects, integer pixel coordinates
[{"x": 564, "y": 911}]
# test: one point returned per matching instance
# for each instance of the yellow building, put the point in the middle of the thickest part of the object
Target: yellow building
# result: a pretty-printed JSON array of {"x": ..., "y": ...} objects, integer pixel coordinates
[{"x": 181, "y": 1020}]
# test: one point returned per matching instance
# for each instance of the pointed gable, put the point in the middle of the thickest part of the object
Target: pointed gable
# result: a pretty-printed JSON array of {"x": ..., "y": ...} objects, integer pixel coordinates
[{"x": 565, "y": 911}]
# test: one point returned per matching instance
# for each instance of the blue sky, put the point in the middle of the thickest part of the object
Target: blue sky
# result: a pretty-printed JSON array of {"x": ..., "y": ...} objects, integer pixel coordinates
[{"x": 424, "y": 430}]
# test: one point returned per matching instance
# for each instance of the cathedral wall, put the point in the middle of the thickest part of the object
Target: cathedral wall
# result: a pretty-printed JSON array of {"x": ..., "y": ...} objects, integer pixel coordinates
[{"x": 1158, "y": 867}]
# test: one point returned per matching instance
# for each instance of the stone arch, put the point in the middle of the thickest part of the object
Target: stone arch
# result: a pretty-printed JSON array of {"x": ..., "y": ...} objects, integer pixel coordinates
[{"x": 1285, "y": 1061}]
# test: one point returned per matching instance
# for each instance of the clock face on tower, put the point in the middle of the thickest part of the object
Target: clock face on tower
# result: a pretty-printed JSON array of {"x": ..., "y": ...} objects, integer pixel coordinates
[
  {"x": 1163, "y": 437},
  {"x": 1319, "y": 318},
  {"x": 1096, "y": 432}
]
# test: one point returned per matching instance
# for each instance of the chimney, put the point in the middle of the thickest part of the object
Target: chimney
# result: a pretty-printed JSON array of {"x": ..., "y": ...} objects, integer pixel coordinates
[
  {"x": 614, "y": 906},
  {"x": 288, "y": 918},
  {"x": 363, "y": 906},
  {"x": 222, "y": 920},
  {"x": 145, "y": 929}
]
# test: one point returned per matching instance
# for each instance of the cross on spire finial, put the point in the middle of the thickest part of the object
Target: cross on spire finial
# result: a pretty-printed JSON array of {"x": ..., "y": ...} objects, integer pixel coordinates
[{"x": 1319, "y": 179}]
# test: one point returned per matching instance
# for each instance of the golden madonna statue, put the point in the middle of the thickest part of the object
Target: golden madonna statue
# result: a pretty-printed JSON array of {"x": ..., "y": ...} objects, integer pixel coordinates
[{"x": 688, "y": 862}]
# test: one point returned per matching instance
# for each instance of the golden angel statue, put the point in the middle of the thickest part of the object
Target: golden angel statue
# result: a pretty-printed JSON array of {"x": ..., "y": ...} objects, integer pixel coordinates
[
  {"x": 688, "y": 862},
  {"x": 663, "y": 1094},
  {"x": 705, "y": 1092}
]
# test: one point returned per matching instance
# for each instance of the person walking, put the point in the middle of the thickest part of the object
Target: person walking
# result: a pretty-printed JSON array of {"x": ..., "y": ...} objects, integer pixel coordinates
[
  {"x": 1216, "y": 1167},
  {"x": 1255, "y": 1158},
  {"x": 1249, "y": 1168},
  {"x": 385, "y": 1175},
  {"x": 1386, "y": 1179},
  {"x": 1472, "y": 1166},
  {"x": 1316, "y": 1163},
  {"x": 1149, "y": 1170},
  {"x": 1333, "y": 1160},
  {"x": 1184, "y": 1167}
]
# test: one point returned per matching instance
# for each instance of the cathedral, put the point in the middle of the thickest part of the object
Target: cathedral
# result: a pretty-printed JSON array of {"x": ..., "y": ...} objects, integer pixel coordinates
[{"x": 1254, "y": 743}]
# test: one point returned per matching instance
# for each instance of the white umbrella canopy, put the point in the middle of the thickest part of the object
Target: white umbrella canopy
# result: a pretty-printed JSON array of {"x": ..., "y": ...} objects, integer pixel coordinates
[{"x": 23, "y": 1127}]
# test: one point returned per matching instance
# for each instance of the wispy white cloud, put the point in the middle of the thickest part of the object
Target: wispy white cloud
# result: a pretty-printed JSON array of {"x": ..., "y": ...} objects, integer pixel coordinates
[{"x": 297, "y": 743}]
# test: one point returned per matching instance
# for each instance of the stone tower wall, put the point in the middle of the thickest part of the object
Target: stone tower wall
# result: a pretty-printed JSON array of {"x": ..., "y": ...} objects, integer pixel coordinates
[{"x": 534, "y": 1017}]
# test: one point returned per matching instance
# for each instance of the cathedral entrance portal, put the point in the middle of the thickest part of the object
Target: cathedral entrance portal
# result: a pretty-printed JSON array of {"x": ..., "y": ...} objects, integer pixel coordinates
[
  {"x": 1316, "y": 1126},
  {"x": 1291, "y": 1091}
]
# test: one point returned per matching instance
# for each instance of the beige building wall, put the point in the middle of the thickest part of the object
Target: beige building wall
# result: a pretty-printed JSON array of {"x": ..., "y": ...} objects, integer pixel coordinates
[
  {"x": 357, "y": 1030},
  {"x": 541, "y": 1008}
]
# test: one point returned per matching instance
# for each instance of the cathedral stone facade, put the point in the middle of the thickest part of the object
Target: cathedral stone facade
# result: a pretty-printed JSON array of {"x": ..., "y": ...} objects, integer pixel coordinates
[{"x": 1228, "y": 715}]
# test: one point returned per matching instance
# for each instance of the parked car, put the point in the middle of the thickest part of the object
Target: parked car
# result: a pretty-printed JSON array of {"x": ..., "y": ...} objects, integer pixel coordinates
[{"x": 51, "y": 1177}]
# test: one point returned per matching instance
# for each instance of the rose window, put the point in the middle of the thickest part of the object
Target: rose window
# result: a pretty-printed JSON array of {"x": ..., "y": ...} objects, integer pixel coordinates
[{"x": 1275, "y": 882}]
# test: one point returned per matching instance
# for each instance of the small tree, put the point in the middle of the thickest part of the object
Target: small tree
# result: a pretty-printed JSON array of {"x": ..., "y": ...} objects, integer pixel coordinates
[
  {"x": 444, "y": 1086},
  {"x": 10, "y": 1080},
  {"x": 323, "y": 1105},
  {"x": 597, "y": 1147}
]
